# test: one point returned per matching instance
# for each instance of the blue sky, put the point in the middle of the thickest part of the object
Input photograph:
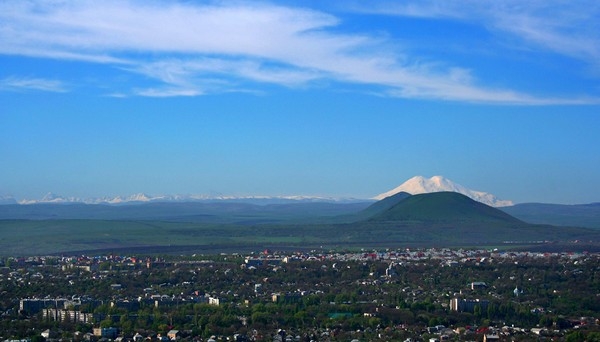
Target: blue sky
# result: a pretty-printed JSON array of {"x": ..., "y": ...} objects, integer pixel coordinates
[{"x": 337, "y": 98}]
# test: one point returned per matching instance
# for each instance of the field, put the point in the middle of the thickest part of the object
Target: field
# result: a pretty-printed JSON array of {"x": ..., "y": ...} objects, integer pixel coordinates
[{"x": 35, "y": 237}]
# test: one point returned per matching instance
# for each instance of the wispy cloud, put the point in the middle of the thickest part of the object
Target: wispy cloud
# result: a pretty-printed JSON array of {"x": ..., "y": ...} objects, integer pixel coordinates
[
  {"x": 167, "y": 92},
  {"x": 569, "y": 28},
  {"x": 14, "y": 83},
  {"x": 190, "y": 49}
]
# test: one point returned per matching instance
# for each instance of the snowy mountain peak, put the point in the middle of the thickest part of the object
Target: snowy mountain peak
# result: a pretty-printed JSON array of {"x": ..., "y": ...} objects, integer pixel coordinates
[
  {"x": 422, "y": 185},
  {"x": 52, "y": 197},
  {"x": 141, "y": 197}
]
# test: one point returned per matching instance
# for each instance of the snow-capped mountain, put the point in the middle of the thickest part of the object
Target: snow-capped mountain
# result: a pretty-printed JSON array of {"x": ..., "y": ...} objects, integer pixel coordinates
[
  {"x": 54, "y": 198},
  {"x": 51, "y": 198},
  {"x": 422, "y": 185},
  {"x": 415, "y": 185}
]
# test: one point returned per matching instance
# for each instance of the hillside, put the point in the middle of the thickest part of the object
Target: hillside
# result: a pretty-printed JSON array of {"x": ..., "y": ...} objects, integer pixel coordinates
[
  {"x": 578, "y": 215},
  {"x": 443, "y": 219},
  {"x": 383, "y": 205},
  {"x": 442, "y": 207}
]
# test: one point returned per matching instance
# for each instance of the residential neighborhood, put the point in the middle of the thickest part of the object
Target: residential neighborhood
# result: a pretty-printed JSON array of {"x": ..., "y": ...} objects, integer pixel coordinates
[{"x": 366, "y": 295}]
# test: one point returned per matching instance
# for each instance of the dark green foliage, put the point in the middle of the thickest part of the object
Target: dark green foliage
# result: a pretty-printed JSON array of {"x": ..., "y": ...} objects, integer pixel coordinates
[{"x": 443, "y": 207}]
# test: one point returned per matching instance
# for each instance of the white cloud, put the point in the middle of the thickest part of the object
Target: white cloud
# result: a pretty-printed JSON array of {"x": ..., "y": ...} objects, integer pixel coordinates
[
  {"x": 14, "y": 83},
  {"x": 572, "y": 34},
  {"x": 204, "y": 72},
  {"x": 191, "y": 49},
  {"x": 167, "y": 92},
  {"x": 570, "y": 28}
]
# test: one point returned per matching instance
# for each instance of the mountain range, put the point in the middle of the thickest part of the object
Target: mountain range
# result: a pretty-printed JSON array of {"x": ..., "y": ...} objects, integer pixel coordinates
[
  {"x": 52, "y": 198},
  {"x": 219, "y": 208},
  {"x": 434, "y": 219},
  {"x": 413, "y": 186}
]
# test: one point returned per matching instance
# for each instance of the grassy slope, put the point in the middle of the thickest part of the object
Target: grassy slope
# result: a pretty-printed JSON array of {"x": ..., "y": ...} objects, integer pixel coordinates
[
  {"x": 443, "y": 207},
  {"x": 383, "y": 205}
]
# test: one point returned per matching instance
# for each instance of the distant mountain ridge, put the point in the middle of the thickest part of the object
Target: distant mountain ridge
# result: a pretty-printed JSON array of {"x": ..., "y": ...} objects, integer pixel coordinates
[
  {"x": 51, "y": 198},
  {"x": 421, "y": 185},
  {"x": 432, "y": 219},
  {"x": 574, "y": 215}
]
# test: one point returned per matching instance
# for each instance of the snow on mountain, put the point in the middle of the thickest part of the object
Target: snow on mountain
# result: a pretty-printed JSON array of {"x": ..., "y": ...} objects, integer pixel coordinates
[
  {"x": 144, "y": 198},
  {"x": 422, "y": 185},
  {"x": 52, "y": 198},
  {"x": 139, "y": 198},
  {"x": 415, "y": 185}
]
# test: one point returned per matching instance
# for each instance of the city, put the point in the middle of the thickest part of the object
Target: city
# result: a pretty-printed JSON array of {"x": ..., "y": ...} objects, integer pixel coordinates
[
  {"x": 299, "y": 171},
  {"x": 404, "y": 294}
]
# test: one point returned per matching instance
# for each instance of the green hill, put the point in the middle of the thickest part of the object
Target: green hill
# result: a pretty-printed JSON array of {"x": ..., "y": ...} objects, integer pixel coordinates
[
  {"x": 442, "y": 207},
  {"x": 442, "y": 219},
  {"x": 383, "y": 205}
]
